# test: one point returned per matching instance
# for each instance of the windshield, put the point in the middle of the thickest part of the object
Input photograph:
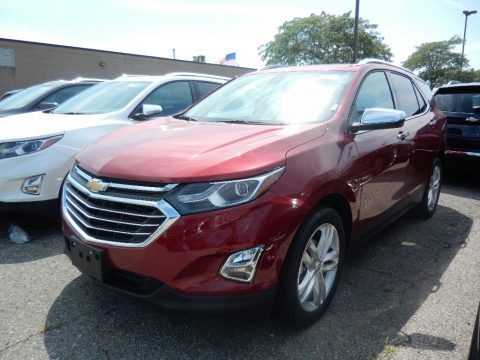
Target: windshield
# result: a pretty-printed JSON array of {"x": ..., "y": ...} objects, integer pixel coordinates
[
  {"x": 102, "y": 98},
  {"x": 461, "y": 102},
  {"x": 275, "y": 98},
  {"x": 24, "y": 97}
]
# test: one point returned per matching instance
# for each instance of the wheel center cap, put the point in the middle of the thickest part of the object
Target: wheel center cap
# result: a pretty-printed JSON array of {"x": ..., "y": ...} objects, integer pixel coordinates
[{"x": 318, "y": 265}]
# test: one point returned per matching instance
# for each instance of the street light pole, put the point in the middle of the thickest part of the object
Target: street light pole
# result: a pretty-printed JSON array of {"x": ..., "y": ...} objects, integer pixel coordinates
[
  {"x": 467, "y": 14},
  {"x": 355, "y": 32}
]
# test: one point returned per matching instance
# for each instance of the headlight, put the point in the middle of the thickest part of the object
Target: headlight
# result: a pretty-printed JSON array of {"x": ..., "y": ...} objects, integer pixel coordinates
[
  {"x": 201, "y": 197},
  {"x": 18, "y": 148}
]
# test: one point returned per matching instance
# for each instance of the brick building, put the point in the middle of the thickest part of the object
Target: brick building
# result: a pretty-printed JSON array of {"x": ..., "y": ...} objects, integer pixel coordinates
[{"x": 24, "y": 63}]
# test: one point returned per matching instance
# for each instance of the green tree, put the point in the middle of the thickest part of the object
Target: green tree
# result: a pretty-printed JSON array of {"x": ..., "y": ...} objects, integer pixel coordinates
[
  {"x": 438, "y": 62},
  {"x": 323, "y": 39}
]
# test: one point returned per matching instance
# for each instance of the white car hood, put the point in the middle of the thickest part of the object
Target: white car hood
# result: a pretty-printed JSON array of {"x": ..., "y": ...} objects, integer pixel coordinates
[{"x": 38, "y": 124}]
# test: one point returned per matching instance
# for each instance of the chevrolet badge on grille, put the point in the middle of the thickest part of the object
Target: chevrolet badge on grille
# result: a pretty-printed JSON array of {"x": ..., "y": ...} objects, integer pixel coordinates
[
  {"x": 96, "y": 185},
  {"x": 471, "y": 119}
]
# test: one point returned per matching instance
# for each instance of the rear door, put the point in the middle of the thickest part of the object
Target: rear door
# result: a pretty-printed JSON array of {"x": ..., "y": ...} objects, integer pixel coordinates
[
  {"x": 203, "y": 88},
  {"x": 418, "y": 144}
]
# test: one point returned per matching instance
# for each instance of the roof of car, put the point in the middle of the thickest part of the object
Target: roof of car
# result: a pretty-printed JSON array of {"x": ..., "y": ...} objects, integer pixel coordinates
[
  {"x": 459, "y": 85},
  {"x": 372, "y": 63},
  {"x": 348, "y": 67},
  {"x": 172, "y": 75}
]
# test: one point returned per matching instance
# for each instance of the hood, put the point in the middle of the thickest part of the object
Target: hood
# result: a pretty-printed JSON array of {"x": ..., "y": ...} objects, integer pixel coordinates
[
  {"x": 175, "y": 151},
  {"x": 11, "y": 112},
  {"x": 38, "y": 124}
]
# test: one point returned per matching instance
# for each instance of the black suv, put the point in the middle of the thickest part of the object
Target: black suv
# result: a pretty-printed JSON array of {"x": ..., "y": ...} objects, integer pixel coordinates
[
  {"x": 461, "y": 105},
  {"x": 43, "y": 96}
]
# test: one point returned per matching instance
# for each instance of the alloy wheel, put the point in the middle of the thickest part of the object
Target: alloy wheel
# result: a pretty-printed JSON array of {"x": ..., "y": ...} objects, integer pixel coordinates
[
  {"x": 434, "y": 188},
  {"x": 318, "y": 267}
]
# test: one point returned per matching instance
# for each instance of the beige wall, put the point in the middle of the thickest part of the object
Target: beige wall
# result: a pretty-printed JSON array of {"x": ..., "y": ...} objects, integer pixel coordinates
[{"x": 37, "y": 63}]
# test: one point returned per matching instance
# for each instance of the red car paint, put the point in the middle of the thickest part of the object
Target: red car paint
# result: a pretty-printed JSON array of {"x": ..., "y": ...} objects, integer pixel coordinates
[{"x": 367, "y": 174}]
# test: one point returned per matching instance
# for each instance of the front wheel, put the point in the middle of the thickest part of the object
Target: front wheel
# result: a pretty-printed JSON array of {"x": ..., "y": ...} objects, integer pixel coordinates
[
  {"x": 432, "y": 191},
  {"x": 312, "y": 268}
]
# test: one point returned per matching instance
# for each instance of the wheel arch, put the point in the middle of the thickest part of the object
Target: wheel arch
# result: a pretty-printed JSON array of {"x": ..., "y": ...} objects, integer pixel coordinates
[{"x": 340, "y": 204}]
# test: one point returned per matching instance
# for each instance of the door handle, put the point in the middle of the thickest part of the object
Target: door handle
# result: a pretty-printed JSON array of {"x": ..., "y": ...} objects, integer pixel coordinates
[{"x": 402, "y": 135}]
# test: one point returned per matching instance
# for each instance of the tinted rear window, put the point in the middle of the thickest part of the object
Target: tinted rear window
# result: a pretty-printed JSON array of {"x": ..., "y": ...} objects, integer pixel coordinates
[{"x": 458, "y": 99}]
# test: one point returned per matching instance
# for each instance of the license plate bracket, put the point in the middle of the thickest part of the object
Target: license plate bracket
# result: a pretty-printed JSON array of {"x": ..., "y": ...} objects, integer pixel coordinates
[{"x": 88, "y": 259}]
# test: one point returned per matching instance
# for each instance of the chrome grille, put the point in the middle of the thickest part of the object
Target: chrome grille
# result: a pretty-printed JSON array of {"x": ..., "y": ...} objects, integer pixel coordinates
[{"x": 111, "y": 212}]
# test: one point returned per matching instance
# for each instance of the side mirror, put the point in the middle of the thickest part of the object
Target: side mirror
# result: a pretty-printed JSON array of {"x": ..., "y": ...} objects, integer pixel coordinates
[
  {"x": 151, "y": 109},
  {"x": 148, "y": 110},
  {"x": 379, "y": 118},
  {"x": 46, "y": 105}
]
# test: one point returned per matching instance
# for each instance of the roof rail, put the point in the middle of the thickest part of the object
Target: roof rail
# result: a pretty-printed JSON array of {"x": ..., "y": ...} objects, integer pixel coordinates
[
  {"x": 82, "y": 79},
  {"x": 378, "y": 61},
  {"x": 198, "y": 74},
  {"x": 268, "y": 67},
  {"x": 130, "y": 75}
]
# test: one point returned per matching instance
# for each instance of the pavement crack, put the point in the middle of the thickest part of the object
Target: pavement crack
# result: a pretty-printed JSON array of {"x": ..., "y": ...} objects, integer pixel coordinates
[
  {"x": 53, "y": 326},
  {"x": 20, "y": 342}
]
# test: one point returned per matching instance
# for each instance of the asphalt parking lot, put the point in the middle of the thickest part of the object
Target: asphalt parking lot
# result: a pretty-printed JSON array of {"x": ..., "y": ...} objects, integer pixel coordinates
[{"x": 410, "y": 293}]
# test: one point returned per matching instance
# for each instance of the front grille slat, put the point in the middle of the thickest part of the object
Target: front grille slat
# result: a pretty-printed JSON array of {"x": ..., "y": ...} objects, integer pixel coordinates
[
  {"x": 90, "y": 206},
  {"x": 130, "y": 217},
  {"x": 90, "y": 216},
  {"x": 75, "y": 215}
]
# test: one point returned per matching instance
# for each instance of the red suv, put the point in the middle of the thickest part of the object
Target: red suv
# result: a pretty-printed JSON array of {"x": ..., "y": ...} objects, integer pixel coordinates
[{"x": 256, "y": 193}]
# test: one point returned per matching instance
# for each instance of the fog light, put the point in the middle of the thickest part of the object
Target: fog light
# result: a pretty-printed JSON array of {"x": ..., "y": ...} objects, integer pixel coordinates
[
  {"x": 33, "y": 184},
  {"x": 241, "y": 266}
]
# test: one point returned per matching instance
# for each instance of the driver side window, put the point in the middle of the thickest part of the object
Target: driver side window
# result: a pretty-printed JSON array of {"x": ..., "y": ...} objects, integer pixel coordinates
[
  {"x": 173, "y": 97},
  {"x": 374, "y": 93}
]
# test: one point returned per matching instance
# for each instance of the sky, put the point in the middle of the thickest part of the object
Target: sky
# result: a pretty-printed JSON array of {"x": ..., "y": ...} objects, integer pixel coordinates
[{"x": 214, "y": 28}]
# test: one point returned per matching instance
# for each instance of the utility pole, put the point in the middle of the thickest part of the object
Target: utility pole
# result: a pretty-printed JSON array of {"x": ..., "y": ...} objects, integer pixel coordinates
[
  {"x": 467, "y": 14},
  {"x": 173, "y": 54},
  {"x": 355, "y": 32}
]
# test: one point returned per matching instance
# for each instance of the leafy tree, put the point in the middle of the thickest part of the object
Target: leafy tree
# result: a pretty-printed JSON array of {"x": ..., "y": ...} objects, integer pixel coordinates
[
  {"x": 324, "y": 39},
  {"x": 438, "y": 62}
]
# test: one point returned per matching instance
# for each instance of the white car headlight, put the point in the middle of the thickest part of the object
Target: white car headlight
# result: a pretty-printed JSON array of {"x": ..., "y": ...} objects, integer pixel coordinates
[
  {"x": 201, "y": 197},
  {"x": 24, "y": 147}
]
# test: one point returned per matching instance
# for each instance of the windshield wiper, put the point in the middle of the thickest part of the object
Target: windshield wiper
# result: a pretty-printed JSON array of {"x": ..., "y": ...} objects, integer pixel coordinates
[
  {"x": 72, "y": 113},
  {"x": 250, "y": 122},
  {"x": 183, "y": 117}
]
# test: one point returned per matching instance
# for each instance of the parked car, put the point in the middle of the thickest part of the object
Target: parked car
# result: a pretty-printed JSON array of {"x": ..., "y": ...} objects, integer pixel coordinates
[
  {"x": 256, "y": 193},
  {"x": 43, "y": 96},
  {"x": 9, "y": 93},
  {"x": 461, "y": 104},
  {"x": 38, "y": 149}
]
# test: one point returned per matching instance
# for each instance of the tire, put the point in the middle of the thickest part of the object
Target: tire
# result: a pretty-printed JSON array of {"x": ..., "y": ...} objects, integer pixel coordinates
[
  {"x": 308, "y": 280},
  {"x": 432, "y": 191}
]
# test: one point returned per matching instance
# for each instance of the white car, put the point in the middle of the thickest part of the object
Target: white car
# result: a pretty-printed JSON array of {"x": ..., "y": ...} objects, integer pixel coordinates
[{"x": 37, "y": 149}]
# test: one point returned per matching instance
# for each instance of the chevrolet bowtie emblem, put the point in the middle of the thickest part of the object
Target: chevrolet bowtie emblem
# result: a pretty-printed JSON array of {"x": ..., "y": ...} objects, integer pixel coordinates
[
  {"x": 96, "y": 185},
  {"x": 471, "y": 119}
]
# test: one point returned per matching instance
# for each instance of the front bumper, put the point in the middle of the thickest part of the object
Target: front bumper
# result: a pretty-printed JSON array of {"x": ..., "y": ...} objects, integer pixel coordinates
[
  {"x": 51, "y": 162},
  {"x": 468, "y": 160},
  {"x": 91, "y": 262},
  {"x": 187, "y": 256}
]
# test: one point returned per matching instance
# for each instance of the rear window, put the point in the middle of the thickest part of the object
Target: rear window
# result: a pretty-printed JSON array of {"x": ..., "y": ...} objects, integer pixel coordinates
[{"x": 458, "y": 100}]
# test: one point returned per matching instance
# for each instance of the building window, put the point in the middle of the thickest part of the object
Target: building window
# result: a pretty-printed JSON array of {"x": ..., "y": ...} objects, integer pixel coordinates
[{"x": 7, "y": 59}]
